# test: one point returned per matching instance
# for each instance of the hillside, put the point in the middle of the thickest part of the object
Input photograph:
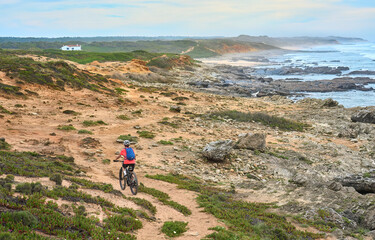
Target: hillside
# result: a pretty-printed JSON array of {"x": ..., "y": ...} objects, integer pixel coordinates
[
  {"x": 65, "y": 139},
  {"x": 195, "y": 48}
]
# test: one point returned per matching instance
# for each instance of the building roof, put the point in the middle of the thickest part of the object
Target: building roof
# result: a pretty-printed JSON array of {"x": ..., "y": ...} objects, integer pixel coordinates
[{"x": 72, "y": 45}]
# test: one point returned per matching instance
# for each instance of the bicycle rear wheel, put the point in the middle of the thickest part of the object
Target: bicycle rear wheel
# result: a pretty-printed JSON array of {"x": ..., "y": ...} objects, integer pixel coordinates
[
  {"x": 122, "y": 179},
  {"x": 133, "y": 183}
]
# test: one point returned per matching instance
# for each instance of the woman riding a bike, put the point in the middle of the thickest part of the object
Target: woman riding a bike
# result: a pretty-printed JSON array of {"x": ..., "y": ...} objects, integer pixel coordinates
[{"x": 129, "y": 156}]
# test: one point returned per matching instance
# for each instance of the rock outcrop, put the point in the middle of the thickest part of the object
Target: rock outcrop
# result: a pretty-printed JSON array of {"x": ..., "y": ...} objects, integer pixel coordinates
[
  {"x": 361, "y": 183},
  {"x": 218, "y": 151},
  {"x": 252, "y": 141},
  {"x": 365, "y": 116}
]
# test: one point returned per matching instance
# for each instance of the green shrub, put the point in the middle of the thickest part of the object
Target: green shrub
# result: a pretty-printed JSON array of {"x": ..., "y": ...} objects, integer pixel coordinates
[
  {"x": 164, "y": 198},
  {"x": 128, "y": 137},
  {"x": 8, "y": 186},
  {"x": 122, "y": 223},
  {"x": 66, "y": 127},
  {"x": 71, "y": 112},
  {"x": 3, "y": 110},
  {"x": 9, "y": 178},
  {"x": 164, "y": 142},
  {"x": 121, "y": 90},
  {"x": 8, "y": 89},
  {"x": 18, "y": 105},
  {"x": 137, "y": 112},
  {"x": 106, "y": 161},
  {"x": 123, "y": 117},
  {"x": 174, "y": 228},
  {"x": 32, "y": 164},
  {"x": 88, "y": 123},
  {"x": 6, "y": 236},
  {"x": 4, "y": 145},
  {"x": 80, "y": 210},
  {"x": 263, "y": 118},
  {"x": 29, "y": 188},
  {"x": 84, "y": 131},
  {"x": 24, "y": 188},
  {"x": 146, "y": 134},
  {"x": 24, "y": 217},
  {"x": 66, "y": 159},
  {"x": 143, "y": 203},
  {"x": 165, "y": 122},
  {"x": 57, "y": 178}
]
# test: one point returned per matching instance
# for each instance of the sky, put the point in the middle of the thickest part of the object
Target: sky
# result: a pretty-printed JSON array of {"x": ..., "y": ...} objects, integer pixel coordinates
[{"x": 277, "y": 18}]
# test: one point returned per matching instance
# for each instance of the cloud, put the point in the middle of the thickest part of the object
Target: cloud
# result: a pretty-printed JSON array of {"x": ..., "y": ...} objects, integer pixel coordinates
[{"x": 187, "y": 17}]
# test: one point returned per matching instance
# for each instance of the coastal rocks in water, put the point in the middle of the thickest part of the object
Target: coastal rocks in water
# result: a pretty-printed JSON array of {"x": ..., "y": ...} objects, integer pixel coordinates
[
  {"x": 252, "y": 141},
  {"x": 301, "y": 71},
  {"x": 361, "y": 183},
  {"x": 218, "y": 151},
  {"x": 366, "y": 72},
  {"x": 365, "y": 116}
]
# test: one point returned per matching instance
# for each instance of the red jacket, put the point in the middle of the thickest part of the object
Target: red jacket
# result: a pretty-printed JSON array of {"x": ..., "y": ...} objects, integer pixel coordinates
[{"x": 126, "y": 161}]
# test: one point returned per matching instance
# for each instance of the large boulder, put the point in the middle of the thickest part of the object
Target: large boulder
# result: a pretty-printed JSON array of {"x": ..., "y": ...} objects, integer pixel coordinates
[
  {"x": 218, "y": 151},
  {"x": 363, "y": 184},
  {"x": 365, "y": 116},
  {"x": 253, "y": 141}
]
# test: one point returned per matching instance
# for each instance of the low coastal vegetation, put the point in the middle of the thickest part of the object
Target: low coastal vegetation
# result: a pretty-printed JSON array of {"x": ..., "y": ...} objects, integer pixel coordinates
[
  {"x": 89, "y": 123},
  {"x": 174, "y": 228},
  {"x": 263, "y": 118},
  {"x": 54, "y": 74},
  {"x": 66, "y": 127},
  {"x": 25, "y": 216},
  {"x": 246, "y": 220},
  {"x": 164, "y": 198}
]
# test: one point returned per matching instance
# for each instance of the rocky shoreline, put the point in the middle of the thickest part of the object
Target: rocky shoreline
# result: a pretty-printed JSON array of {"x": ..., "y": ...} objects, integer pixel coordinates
[{"x": 249, "y": 82}]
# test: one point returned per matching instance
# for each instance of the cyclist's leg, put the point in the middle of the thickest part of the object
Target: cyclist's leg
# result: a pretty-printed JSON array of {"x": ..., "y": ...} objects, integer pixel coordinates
[{"x": 131, "y": 167}]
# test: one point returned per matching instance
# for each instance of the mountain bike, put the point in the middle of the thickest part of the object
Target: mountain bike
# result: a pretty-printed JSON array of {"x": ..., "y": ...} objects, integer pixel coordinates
[{"x": 129, "y": 178}]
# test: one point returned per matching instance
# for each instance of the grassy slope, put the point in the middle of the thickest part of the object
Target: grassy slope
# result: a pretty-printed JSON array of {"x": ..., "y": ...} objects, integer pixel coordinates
[
  {"x": 202, "y": 48},
  {"x": 54, "y": 74}
]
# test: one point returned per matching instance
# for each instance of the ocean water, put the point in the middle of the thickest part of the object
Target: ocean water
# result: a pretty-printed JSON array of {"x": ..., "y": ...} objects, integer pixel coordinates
[{"x": 356, "y": 56}]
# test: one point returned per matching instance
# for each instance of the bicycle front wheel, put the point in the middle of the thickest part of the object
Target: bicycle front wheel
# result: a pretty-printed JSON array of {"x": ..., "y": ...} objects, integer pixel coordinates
[
  {"x": 122, "y": 179},
  {"x": 133, "y": 183}
]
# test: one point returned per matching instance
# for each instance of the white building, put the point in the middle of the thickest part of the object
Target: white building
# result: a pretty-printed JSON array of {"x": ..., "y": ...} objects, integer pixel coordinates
[{"x": 71, "y": 48}]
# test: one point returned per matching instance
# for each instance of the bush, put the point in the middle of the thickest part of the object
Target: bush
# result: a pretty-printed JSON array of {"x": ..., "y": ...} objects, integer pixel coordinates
[
  {"x": 146, "y": 134},
  {"x": 84, "y": 131},
  {"x": 88, "y": 123},
  {"x": 123, "y": 117},
  {"x": 6, "y": 236},
  {"x": 71, "y": 112},
  {"x": 123, "y": 223},
  {"x": 265, "y": 119},
  {"x": 174, "y": 228},
  {"x": 57, "y": 178},
  {"x": 24, "y": 188},
  {"x": 24, "y": 217},
  {"x": 66, "y": 159},
  {"x": 128, "y": 137},
  {"x": 4, "y": 145},
  {"x": 163, "y": 142},
  {"x": 66, "y": 127},
  {"x": 29, "y": 188},
  {"x": 106, "y": 161}
]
